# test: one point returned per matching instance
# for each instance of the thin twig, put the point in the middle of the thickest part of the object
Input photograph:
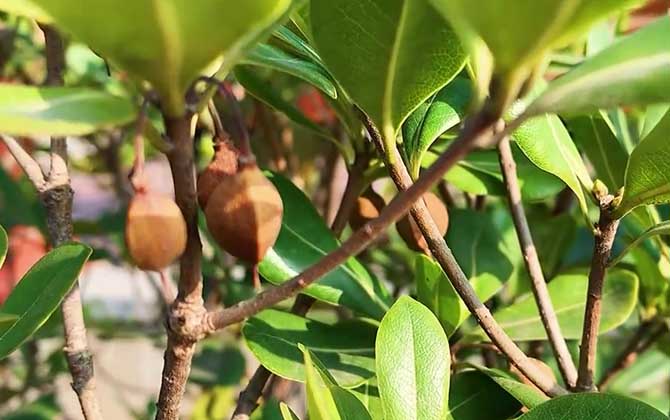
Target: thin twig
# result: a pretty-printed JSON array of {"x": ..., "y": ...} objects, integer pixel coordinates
[
  {"x": 605, "y": 233},
  {"x": 29, "y": 165},
  {"x": 538, "y": 284},
  {"x": 647, "y": 334},
  {"x": 188, "y": 309},
  {"x": 442, "y": 253},
  {"x": 476, "y": 133},
  {"x": 57, "y": 199}
]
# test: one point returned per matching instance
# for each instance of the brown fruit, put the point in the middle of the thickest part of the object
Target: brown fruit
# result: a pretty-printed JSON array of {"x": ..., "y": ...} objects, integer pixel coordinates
[
  {"x": 410, "y": 232},
  {"x": 368, "y": 207},
  {"x": 244, "y": 214},
  {"x": 155, "y": 231},
  {"x": 223, "y": 164}
]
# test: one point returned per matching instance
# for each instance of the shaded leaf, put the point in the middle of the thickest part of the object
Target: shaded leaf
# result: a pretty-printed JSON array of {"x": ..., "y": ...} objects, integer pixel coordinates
[
  {"x": 392, "y": 66},
  {"x": 325, "y": 399},
  {"x": 521, "y": 320},
  {"x": 527, "y": 395},
  {"x": 297, "y": 44},
  {"x": 633, "y": 71},
  {"x": 6, "y": 321},
  {"x": 413, "y": 360},
  {"x": 368, "y": 394},
  {"x": 271, "y": 57},
  {"x": 303, "y": 240},
  {"x": 648, "y": 172},
  {"x": 162, "y": 42},
  {"x": 593, "y": 405},
  {"x": 287, "y": 413},
  {"x": 346, "y": 348},
  {"x": 39, "y": 293},
  {"x": 474, "y": 396},
  {"x": 30, "y": 111},
  {"x": 659, "y": 229}
]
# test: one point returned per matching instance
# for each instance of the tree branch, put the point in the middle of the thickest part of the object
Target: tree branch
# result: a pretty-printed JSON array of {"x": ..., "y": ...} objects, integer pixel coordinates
[
  {"x": 57, "y": 198},
  {"x": 532, "y": 262},
  {"x": 29, "y": 165},
  {"x": 442, "y": 253},
  {"x": 606, "y": 231},
  {"x": 186, "y": 313},
  {"x": 477, "y": 132}
]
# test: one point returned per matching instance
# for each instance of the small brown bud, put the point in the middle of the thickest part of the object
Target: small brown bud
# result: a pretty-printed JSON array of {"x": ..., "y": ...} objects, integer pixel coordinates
[
  {"x": 368, "y": 207},
  {"x": 410, "y": 232},
  {"x": 244, "y": 214},
  {"x": 224, "y": 163},
  {"x": 155, "y": 231}
]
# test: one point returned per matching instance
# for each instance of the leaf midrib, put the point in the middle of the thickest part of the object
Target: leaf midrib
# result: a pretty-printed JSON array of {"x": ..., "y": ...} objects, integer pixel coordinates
[{"x": 392, "y": 69}]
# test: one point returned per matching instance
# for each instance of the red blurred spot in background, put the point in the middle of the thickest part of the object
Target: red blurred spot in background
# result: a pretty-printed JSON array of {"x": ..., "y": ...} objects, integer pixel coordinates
[
  {"x": 315, "y": 107},
  {"x": 26, "y": 247}
]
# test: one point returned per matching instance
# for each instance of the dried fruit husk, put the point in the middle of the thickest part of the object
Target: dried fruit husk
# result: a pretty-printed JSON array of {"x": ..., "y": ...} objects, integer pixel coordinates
[
  {"x": 224, "y": 164},
  {"x": 410, "y": 232},
  {"x": 244, "y": 214},
  {"x": 155, "y": 231},
  {"x": 368, "y": 207}
]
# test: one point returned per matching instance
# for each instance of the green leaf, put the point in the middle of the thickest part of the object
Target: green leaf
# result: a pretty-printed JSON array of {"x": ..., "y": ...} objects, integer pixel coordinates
[
  {"x": 653, "y": 116},
  {"x": 527, "y": 395},
  {"x": 413, "y": 363},
  {"x": 633, "y": 71},
  {"x": 474, "y": 396},
  {"x": 346, "y": 348},
  {"x": 591, "y": 406},
  {"x": 31, "y": 111},
  {"x": 547, "y": 143},
  {"x": 39, "y": 293},
  {"x": 325, "y": 399},
  {"x": 287, "y": 413},
  {"x": 297, "y": 44},
  {"x": 390, "y": 56},
  {"x": 595, "y": 137},
  {"x": 368, "y": 394},
  {"x": 4, "y": 245},
  {"x": 6, "y": 321},
  {"x": 521, "y": 320},
  {"x": 431, "y": 119},
  {"x": 434, "y": 290},
  {"x": 303, "y": 240},
  {"x": 648, "y": 172},
  {"x": 24, "y": 8},
  {"x": 272, "y": 57},
  {"x": 658, "y": 230},
  {"x": 163, "y": 42}
]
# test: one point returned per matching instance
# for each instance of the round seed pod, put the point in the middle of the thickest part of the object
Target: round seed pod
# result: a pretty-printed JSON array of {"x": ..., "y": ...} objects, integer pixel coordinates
[
  {"x": 410, "y": 232},
  {"x": 368, "y": 207},
  {"x": 224, "y": 163},
  {"x": 155, "y": 231},
  {"x": 244, "y": 214}
]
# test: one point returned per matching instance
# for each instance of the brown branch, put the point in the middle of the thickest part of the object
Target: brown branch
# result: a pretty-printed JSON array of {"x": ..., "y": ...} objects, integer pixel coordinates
[
  {"x": 605, "y": 233},
  {"x": 57, "y": 197},
  {"x": 532, "y": 262},
  {"x": 477, "y": 132},
  {"x": 647, "y": 334},
  {"x": 30, "y": 167},
  {"x": 442, "y": 253},
  {"x": 187, "y": 311}
]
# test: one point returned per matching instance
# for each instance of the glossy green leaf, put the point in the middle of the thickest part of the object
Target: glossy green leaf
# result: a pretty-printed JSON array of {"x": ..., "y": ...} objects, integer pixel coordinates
[
  {"x": 547, "y": 143},
  {"x": 436, "y": 292},
  {"x": 592, "y": 406},
  {"x": 659, "y": 229},
  {"x": 4, "y": 245},
  {"x": 287, "y": 413},
  {"x": 303, "y": 240},
  {"x": 325, "y": 399},
  {"x": 521, "y": 320},
  {"x": 527, "y": 395},
  {"x": 25, "y": 8},
  {"x": 39, "y": 293},
  {"x": 652, "y": 117},
  {"x": 368, "y": 394},
  {"x": 6, "y": 321},
  {"x": 29, "y": 111},
  {"x": 164, "y": 42},
  {"x": 475, "y": 396},
  {"x": 297, "y": 44},
  {"x": 346, "y": 348},
  {"x": 441, "y": 112},
  {"x": 533, "y": 27},
  {"x": 633, "y": 71},
  {"x": 648, "y": 172},
  {"x": 654, "y": 285},
  {"x": 595, "y": 137},
  {"x": 272, "y": 57},
  {"x": 413, "y": 363},
  {"x": 390, "y": 56}
]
